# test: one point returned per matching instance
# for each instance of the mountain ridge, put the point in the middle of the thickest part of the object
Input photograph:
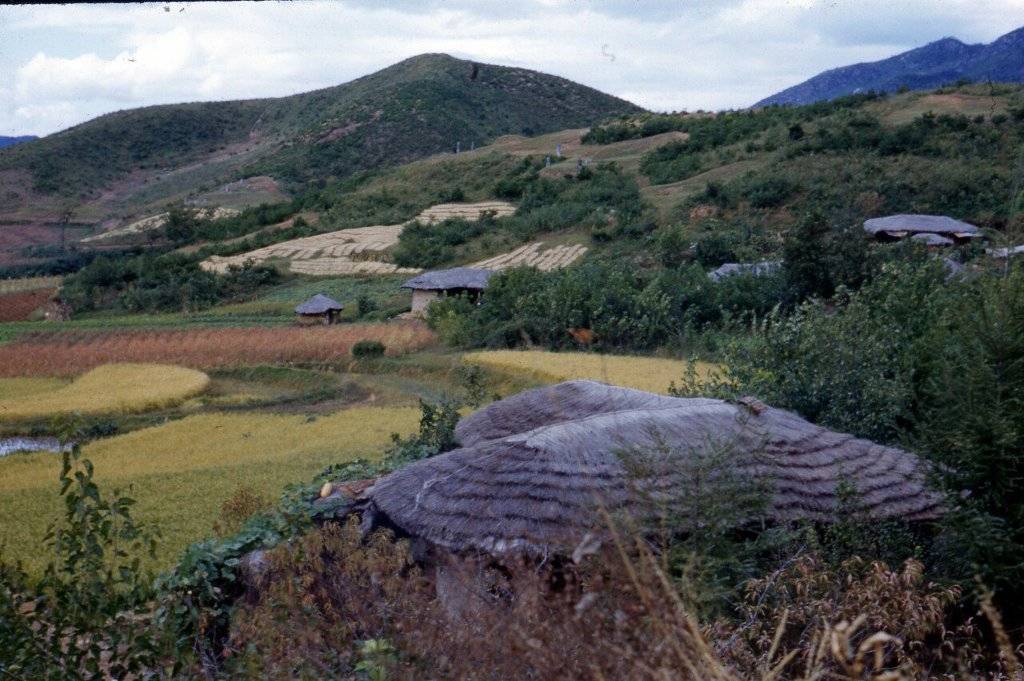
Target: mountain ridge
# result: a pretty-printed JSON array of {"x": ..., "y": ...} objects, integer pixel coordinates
[
  {"x": 417, "y": 107},
  {"x": 932, "y": 65}
]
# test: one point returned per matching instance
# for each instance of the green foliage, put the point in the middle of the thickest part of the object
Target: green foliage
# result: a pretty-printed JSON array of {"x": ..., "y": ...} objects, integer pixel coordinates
[
  {"x": 624, "y": 308},
  {"x": 820, "y": 258},
  {"x": 149, "y": 283},
  {"x": 89, "y": 615},
  {"x": 366, "y": 349}
]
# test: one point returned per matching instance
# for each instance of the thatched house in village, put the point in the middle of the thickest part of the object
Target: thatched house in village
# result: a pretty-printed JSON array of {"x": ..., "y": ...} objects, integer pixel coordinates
[
  {"x": 535, "y": 470},
  {"x": 756, "y": 269},
  {"x": 319, "y": 309},
  {"x": 897, "y": 227},
  {"x": 430, "y": 286}
]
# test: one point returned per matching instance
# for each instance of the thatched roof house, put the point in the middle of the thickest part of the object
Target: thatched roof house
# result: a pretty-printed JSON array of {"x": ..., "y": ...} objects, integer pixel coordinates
[
  {"x": 430, "y": 286},
  {"x": 756, "y": 269},
  {"x": 319, "y": 309},
  {"x": 895, "y": 227},
  {"x": 534, "y": 470}
]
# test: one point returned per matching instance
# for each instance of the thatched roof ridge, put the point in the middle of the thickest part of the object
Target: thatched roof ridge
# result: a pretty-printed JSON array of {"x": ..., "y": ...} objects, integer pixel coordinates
[
  {"x": 457, "y": 278},
  {"x": 755, "y": 268},
  {"x": 319, "y": 304},
  {"x": 540, "y": 490},
  {"x": 914, "y": 224}
]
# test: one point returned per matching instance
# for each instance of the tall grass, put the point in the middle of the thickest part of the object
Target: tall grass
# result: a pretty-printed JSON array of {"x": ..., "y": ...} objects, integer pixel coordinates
[{"x": 69, "y": 353}]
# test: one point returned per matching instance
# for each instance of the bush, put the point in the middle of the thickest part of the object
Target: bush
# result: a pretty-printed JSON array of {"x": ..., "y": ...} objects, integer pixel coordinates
[{"x": 366, "y": 349}]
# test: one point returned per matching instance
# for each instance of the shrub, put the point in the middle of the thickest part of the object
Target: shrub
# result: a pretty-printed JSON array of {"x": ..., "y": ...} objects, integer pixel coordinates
[{"x": 366, "y": 349}]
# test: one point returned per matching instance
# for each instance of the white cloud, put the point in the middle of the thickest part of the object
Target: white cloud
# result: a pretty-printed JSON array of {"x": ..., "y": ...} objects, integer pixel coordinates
[{"x": 85, "y": 60}]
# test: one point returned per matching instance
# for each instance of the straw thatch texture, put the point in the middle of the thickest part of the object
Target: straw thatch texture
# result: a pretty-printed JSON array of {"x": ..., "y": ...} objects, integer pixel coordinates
[
  {"x": 319, "y": 304},
  {"x": 535, "y": 469},
  {"x": 914, "y": 224},
  {"x": 457, "y": 278}
]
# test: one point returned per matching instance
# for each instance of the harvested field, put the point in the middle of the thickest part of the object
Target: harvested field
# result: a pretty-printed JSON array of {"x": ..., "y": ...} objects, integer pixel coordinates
[
  {"x": 18, "y": 307},
  {"x": 111, "y": 389},
  {"x": 360, "y": 250},
  {"x": 465, "y": 211},
  {"x": 71, "y": 353},
  {"x": 181, "y": 472},
  {"x": 653, "y": 374},
  {"x": 532, "y": 254},
  {"x": 343, "y": 252}
]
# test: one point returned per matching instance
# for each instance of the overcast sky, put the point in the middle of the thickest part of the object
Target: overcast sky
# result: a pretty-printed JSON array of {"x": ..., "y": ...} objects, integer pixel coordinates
[{"x": 61, "y": 65}]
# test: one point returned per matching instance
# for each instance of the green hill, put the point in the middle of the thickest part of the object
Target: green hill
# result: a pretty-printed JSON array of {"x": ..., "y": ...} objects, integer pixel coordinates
[{"x": 126, "y": 162}]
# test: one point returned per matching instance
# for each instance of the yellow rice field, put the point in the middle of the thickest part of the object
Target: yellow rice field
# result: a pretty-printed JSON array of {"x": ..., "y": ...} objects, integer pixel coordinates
[
  {"x": 11, "y": 388},
  {"x": 181, "y": 472},
  {"x": 107, "y": 389},
  {"x": 653, "y": 374}
]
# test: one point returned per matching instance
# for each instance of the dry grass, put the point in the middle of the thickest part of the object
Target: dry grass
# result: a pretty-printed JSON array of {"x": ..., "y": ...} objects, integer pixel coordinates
[
  {"x": 70, "y": 353},
  {"x": 111, "y": 389},
  {"x": 182, "y": 472},
  {"x": 617, "y": 615},
  {"x": 653, "y": 374}
]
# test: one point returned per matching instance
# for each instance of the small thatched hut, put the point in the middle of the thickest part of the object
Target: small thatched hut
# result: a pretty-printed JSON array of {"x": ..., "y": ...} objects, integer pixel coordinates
[
  {"x": 319, "y": 309},
  {"x": 430, "y": 286},
  {"x": 896, "y": 227},
  {"x": 534, "y": 470}
]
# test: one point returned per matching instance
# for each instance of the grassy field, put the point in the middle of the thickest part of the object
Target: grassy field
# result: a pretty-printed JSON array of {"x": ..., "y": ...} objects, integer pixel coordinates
[
  {"x": 11, "y": 388},
  {"x": 108, "y": 389},
  {"x": 181, "y": 472},
  {"x": 643, "y": 373}
]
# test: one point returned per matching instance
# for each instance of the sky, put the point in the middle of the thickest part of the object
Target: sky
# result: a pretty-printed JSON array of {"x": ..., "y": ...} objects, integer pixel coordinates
[{"x": 61, "y": 65}]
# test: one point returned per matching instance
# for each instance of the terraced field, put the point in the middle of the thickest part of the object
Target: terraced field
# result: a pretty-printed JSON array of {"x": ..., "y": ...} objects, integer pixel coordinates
[
  {"x": 535, "y": 255},
  {"x": 361, "y": 250}
]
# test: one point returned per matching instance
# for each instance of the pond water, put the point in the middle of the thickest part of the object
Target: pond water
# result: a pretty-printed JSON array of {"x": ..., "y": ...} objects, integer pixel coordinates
[{"x": 9, "y": 445}]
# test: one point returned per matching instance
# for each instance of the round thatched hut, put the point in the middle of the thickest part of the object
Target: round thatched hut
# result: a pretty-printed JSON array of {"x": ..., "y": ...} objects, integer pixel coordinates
[
  {"x": 535, "y": 470},
  {"x": 319, "y": 309}
]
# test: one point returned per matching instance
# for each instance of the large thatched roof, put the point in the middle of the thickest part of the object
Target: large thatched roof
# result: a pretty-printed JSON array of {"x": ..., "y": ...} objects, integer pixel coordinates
[
  {"x": 319, "y": 304},
  {"x": 457, "y": 278},
  {"x": 535, "y": 469},
  {"x": 901, "y": 225}
]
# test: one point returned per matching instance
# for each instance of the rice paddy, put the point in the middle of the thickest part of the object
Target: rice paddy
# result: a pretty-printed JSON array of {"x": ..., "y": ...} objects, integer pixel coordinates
[
  {"x": 108, "y": 389},
  {"x": 653, "y": 374},
  {"x": 70, "y": 353},
  {"x": 181, "y": 472}
]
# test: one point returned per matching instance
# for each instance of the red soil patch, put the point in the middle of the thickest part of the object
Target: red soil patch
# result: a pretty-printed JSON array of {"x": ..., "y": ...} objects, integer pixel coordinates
[{"x": 16, "y": 307}]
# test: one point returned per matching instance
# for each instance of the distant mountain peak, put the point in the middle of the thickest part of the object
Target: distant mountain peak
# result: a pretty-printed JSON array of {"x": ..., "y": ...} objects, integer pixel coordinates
[{"x": 937, "y": 63}]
